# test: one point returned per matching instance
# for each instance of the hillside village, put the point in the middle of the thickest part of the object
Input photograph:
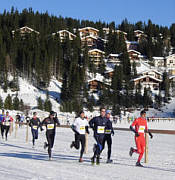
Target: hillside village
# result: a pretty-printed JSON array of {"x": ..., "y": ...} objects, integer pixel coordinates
[
  {"x": 148, "y": 75},
  {"x": 127, "y": 73}
]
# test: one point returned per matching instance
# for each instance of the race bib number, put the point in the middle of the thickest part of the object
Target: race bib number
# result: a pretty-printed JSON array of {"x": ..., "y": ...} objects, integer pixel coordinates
[
  {"x": 108, "y": 131},
  {"x": 141, "y": 129},
  {"x": 7, "y": 123},
  {"x": 35, "y": 127},
  {"x": 82, "y": 129},
  {"x": 50, "y": 126},
  {"x": 100, "y": 129}
]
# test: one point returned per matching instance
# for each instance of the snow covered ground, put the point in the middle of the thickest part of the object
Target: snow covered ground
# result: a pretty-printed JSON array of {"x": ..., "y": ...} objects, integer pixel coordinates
[{"x": 21, "y": 162}]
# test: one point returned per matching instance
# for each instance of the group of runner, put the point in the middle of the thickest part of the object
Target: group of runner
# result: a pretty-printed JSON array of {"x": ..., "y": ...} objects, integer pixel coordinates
[{"x": 101, "y": 126}]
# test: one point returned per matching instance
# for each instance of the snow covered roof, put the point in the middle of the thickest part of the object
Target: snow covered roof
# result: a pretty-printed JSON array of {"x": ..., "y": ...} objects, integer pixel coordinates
[
  {"x": 64, "y": 31},
  {"x": 90, "y": 36},
  {"x": 131, "y": 42},
  {"x": 26, "y": 27},
  {"x": 142, "y": 77},
  {"x": 158, "y": 58},
  {"x": 82, "y": 29},
  {"x": 151, "y": 70},
  {"x": 138, "y": 31},
  {"x": 98, "y": 50},
  {"x": 114, "y": 55},
  {"x": 132, "y": 50}
]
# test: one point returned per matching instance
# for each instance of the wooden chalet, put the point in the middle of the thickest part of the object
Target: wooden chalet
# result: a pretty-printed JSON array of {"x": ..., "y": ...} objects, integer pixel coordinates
[
  {"x": 153, "y": 73},
  {"x": 95, "y": 85},
  {"x": 159, "y": 62},
  {"x": 88, "y": 31},
  {"x": 89, "y": 41},
  {"x": 147, "y": 81},
  {"x": 63, "y": 34},
  {"x": 132, "y": 45},
  {"x": 114, "y": 59},
  {"x": 24, "y": 30},
  {"x": 134, "y": 56},
  {"x": 139, "y": 35},
  {"x": 170, "y": 64},
  {"x": 96, "y": 56}
]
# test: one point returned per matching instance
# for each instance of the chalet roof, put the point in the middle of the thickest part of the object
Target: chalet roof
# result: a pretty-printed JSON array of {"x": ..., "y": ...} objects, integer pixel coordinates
[
  {"x": 138, "y": 31},
  {"x": 158, "y": 58},
  {"x": 131, "y": 42},
  {"x": 132, "y": 50},
  {"x": 81, "y": 29},
  {"x": 145, "y": 76},
  {"x": 98, "y": 50},
  {"x": 64, "y": 31},
  {"x": 89, "y": 36},
  {"x": 114, "y": 55},
  {"x": 151, "y": 70},
  {"x": 26, "y": 27}
]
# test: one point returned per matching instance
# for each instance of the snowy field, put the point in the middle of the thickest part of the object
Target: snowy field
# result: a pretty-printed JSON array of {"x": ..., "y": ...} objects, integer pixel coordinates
[{"x": 19, "y": 161}]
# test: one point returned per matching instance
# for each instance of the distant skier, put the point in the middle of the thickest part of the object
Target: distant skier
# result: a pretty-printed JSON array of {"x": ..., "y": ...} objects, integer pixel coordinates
[
  {"x": 6, "y": 123},
  {"x": 35, "y": 124},
  {"x": 98, "y": 124},
  {"x": 107, "y": 138},
  {"x": 80, "y": 127},
  {"x": 139, "y": 130},
  {"x": 50, "y": 124}
]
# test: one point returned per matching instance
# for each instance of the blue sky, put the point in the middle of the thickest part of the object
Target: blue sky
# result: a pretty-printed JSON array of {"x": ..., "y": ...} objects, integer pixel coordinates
[{"x": 161, "y": 12}]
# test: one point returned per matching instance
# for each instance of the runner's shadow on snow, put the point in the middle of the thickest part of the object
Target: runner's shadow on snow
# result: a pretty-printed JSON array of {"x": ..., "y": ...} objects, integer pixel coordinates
[
  {"x": 146, "y": 167},
  {"x": 15, "y": 146},
  {"x": 70, "y": 158},
  {"x": 24, "y": 155}
]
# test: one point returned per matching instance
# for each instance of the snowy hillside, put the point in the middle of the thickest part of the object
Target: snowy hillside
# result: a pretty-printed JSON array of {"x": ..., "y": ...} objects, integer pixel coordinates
[{"x": 29, "y": 94}]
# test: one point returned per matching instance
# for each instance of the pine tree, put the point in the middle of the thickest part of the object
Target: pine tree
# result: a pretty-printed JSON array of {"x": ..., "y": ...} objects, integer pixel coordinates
[
  {"x": 47, "y": 103},
  {"x": 16, "y": 103},
  {"x": 40, "y": 103},
  {"x": 1, "y": 103},
  {"x": 8, "y": 103},
  {"x": 21, "y": 105}
]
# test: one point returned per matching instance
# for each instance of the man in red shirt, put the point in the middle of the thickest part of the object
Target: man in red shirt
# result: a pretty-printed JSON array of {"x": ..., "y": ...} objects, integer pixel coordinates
[{"x": 140, "y": 129}]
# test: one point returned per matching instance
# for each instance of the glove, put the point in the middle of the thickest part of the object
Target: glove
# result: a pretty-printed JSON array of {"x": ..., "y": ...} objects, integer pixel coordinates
[
  {"x": 137, "y": 134},
  {"x": 112, "y": 133},
  {"x": 150, "y": 134}
]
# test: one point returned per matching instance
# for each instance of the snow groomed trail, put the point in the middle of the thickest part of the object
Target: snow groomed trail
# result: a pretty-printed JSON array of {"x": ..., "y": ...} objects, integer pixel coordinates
[{"x": 20, "y": 161}]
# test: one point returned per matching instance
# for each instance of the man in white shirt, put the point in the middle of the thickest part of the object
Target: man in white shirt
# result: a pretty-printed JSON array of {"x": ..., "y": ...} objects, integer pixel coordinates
[{"x": 80, "y": 127}]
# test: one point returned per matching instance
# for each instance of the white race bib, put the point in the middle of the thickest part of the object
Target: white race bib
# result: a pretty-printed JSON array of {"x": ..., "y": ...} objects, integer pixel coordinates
[
  {"x": 82, "y": 130},
  {"x": 50, "y": 126},
  {"x": 141, "y": 129},
  {"x": 100, "y": 129},
  {"x": 7, "y": 123},
  {"x": 35, "y": 127},
  {"x": 108, "y": 131}
]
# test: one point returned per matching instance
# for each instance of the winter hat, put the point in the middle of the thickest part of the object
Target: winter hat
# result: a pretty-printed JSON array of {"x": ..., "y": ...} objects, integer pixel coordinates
[
  {"x": 108, "y": 111},
  {"x": 52, "y": 113}
]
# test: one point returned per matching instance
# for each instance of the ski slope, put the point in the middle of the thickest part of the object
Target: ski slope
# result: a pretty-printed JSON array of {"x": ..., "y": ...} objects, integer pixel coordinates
[{"x": 19, "y": 161}]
